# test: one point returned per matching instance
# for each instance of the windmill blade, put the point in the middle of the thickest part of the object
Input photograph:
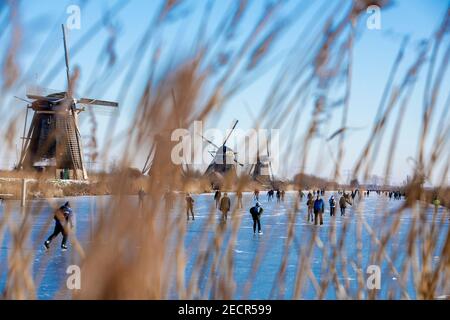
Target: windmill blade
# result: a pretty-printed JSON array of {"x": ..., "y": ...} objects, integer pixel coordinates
[
  {"x": 210, "y": 142},
  {"x": 238, "y": 163},
  {"x": 271, "y": 177},
  {"x": 49, "y": 99},
  {"x": 231, "y": 131},
  {"x": 66, "y": 57},
  {"x": 22, "y": 99},
  {"x": 97, "y": 102}
]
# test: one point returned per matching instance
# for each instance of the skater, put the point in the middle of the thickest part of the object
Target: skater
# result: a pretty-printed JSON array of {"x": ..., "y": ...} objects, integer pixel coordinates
[
  {"x": 63, "y": 224},
  {"x": 278, "y": 196},
  {"x": 256, "y": 212},
  {"x": 256, "y": 195},
  {"x": 332, "y": 203},
  {"x": 225, "y": 205},
  {"x": 301, "y": 194},
  {"x": 269, "y": 195},
  {"x": 217, "y": 197},
  {"x": 343, "y": 204},
  {"x": 310, "y": 205},
  {"x": 239, "y": 199},
  {"x": 168, "y": 199},
  {"x": 189, "y": 206},
  {"x": 141, "y": 195},
  {"x": 282, "y": 195},
  {"x": 318, "y": 210},
  {"x": 436, "y": 204}
]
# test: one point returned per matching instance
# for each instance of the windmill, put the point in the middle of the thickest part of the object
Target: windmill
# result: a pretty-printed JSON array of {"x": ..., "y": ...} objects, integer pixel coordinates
[
  {"x": 53, "y": 141},
  {"x": 224, "y": 158},
  {"x": 262, "y": 171}
]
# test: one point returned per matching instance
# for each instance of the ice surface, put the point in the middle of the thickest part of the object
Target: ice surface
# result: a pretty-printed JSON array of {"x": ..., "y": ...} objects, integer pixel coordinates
[{"x": 49, "y": 268}]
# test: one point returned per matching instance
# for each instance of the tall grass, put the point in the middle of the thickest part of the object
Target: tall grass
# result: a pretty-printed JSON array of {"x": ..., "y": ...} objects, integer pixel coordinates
[{"x": 145, "y": 257}]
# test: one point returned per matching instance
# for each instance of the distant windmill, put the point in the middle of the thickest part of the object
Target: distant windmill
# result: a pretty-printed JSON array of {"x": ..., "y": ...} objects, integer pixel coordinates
[
  {"x": 54, "y": 140},
  {"x": 262, "y": 171},
  {"x": 224, "y": 158}
]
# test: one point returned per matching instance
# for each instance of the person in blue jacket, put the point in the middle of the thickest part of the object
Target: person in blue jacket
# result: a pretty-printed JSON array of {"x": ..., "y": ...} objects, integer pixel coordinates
[
  {"x": 332, "y": 203},
  {"x": 318, "y": 210}
]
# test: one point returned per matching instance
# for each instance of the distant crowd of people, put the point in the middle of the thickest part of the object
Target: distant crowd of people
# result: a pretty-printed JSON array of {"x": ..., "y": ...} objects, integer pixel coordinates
[{"x": 314, "y": 203}]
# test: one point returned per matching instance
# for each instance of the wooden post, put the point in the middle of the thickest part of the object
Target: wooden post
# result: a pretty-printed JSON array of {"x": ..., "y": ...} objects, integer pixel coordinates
[{"x": 24, "y": 193}]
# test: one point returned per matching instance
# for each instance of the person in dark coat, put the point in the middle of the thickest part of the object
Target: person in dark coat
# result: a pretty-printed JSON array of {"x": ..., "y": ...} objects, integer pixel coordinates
[
  {"x": 63, "y": 224},
  {"x": 256, "y": 213},
  {"x": 225, "y": 205}
]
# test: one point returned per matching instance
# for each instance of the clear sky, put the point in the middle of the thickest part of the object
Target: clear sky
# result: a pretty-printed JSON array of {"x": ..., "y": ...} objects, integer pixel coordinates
[{"x": 374, "y": 53}]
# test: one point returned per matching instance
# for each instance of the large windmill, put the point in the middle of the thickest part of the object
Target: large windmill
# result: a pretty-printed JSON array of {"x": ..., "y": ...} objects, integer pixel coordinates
[
  {"x": 224, "y": 158},
  {"x": 53, "y": 141}
]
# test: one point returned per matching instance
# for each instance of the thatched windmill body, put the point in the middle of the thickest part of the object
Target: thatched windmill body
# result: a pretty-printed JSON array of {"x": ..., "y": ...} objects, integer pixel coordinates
[
  {"x": 54, "y": 141},
  {"x": 262, "y": 171},
  {"x": 224, "y": 158}
]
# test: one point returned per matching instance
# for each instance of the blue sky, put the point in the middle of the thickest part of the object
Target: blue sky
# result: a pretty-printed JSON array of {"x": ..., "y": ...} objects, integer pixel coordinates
[{"x": 374, "y": 54}]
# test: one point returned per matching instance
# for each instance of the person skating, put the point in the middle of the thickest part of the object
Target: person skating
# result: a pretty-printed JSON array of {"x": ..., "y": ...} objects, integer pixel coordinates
[
  {"x": 318, "y": 210},
  {"x": 343, "y": 204},
  {"x": 332, "y": 203},
  {"x": 225, "y": 205},
  {"x": 63, "y": 224},
  {"x": 189, "y": 206},
  {"x": 141, "y": 196},
  {"x": 310, "y": 205},
  {"x": 282, "y": 195},
  {"x": 278, "y": 194},
  {"x": 169, "y": 200},
  {"x": 301, "y": 194},
  {"x": 436, "y": 204},
  {"x": 256, "y": 195},
  {"x": 269, "y": 195},
  {"x": 256, "y": 213},
  {"x": 217, "y": 197},
  {"x": 239, "y": 199}
]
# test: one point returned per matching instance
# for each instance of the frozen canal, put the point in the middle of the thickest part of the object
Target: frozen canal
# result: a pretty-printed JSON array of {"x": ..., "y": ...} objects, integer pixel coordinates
[{"x": 49, "y": 268}]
